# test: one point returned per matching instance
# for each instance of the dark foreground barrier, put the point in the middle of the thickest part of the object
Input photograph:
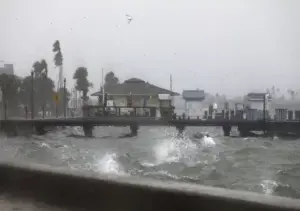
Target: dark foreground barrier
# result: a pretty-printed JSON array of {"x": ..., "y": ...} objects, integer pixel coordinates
[{"x": 26, "y": 187}]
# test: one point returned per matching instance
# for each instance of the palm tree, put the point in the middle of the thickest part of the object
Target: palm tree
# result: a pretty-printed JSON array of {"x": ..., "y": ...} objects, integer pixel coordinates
[
  {"x": 58, "y": 61},
  {"x": 58, "y": 58},
  {"x": 44, "y": 67},
  {"x": 291, "y": 93},
  {"x": 40, "y": 68},
  {"x": 37, "y": 69},
  {"x": 82, "y": 83}
]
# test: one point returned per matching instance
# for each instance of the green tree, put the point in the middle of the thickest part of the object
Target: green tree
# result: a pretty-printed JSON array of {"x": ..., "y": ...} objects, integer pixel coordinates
[
  {"x": 42, "y": 85},
  {"x": 10, "y": 86},
  {"x": 82, "y": 83},
  {"x": 111, "y": 79},
  {"x": 292, "y": 93},
  {"x": 40, "y": 69},
  {"x": 44, "y": 67},
  {"x": 43, "y": 92}
]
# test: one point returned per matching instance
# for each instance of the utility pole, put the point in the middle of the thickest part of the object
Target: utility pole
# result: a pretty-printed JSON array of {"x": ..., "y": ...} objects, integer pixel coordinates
[
  {"x": 264, "y": 109},
  {"x": 171, "y": 83},
  {"x": 264, "y": 112},
  {"x": 56, "y": 109},
  {"x": 44, "y": 99},
  {"x": 32, "y": 95},
  {"x": 3, "y": 96},
  {"x": 102, "y": 88},
  {"x": 5, "y": 109},
  {"x": 65, "y": 98},
  {"x": 172, "y": 99}
]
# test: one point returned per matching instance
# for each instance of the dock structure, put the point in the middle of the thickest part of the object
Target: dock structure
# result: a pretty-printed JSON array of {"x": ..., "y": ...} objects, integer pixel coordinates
[
  {"x": 132, "y": 104},
  {"x": 11, "y": 127}
]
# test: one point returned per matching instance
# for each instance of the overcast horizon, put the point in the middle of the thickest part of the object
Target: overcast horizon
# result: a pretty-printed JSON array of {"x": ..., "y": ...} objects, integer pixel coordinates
[{"x": 231, "y": 47}]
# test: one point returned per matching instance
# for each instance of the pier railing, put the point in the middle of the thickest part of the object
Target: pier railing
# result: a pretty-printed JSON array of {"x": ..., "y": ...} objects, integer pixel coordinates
[
  {"x": 229, "y": 114},
  {"x": 140, "y": 111},
  {"x": 44, "y": 188}
]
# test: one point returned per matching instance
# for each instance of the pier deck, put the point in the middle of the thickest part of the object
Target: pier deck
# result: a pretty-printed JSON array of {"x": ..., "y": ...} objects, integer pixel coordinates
[
  {"x": 126, "y": 121},
  {"x": 244, "y": 126}
]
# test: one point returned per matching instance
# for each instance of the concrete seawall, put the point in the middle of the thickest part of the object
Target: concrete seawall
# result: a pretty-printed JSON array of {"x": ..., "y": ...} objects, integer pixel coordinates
[{"x": 71, "y": 190}]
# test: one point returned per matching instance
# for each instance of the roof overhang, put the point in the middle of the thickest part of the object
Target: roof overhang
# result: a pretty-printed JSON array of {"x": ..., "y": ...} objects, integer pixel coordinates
[{"x": 97, "y": 94}]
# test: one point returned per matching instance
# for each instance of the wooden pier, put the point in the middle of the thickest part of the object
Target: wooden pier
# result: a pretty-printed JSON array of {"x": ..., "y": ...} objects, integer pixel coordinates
[{"x": 11, "y": 127}]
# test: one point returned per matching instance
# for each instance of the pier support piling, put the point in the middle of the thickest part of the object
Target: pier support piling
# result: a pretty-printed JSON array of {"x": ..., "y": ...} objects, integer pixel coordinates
[
  {"x": 40, "y": 130},
  {"x": 88, "y": 130},
  {"x": 10, "y": 129},
  {"x": 180, "y": 129},
  {"x": 226, "y": 130},
  {"x": 134, "y": 129},
  {"x": 243, "y": 131}
]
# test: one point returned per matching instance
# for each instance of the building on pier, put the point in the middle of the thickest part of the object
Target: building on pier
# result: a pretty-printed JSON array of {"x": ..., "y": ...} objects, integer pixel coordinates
[
  {"x": 255, "y": 104},
  {"x": 193, "y": 102},
  {"x": 256, "y": 101},
  {"x": 135, "y": 92}
]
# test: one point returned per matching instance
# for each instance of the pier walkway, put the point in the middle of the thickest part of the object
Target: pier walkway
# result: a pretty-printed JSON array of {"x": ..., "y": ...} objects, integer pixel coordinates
[{"x": 244, "y": 126}]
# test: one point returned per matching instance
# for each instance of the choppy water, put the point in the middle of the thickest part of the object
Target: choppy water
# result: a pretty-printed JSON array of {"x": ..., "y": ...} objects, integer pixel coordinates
[{"x": 264, "y": 165}]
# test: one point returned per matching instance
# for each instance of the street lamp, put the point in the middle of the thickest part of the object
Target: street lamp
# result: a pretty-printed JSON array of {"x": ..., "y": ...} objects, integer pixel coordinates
[
  {"x": 3, "y": 99},
  {"x": 32, "y": 95},
  {"x": 65, "y": 97},
  {"x": 266, "y": 95},
  {"x": 264, "y": 110},
  {"x": 44, "y": 98}
]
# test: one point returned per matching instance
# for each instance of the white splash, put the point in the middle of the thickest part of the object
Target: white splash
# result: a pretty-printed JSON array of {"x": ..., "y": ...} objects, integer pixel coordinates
[
  {"x": 166, "y": 152},
  {"x": 208, "y": 141},
  {"x": 109, "y": 165},
  {"x": 44, "y": 145},
  {"x": 173, "y": 150},
  {"x": 268, "y": 186},
  {"x": 77, "y": 131}
]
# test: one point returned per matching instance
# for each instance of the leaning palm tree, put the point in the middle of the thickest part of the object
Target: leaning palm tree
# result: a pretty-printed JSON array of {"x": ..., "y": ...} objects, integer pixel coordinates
[
  {"x": 44, "y": 67},
  {"x": 58, "y": 61}
]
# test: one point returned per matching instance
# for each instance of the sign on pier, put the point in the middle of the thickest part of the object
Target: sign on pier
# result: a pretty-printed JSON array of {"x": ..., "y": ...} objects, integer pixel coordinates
[{"x": 56, "y": 98}]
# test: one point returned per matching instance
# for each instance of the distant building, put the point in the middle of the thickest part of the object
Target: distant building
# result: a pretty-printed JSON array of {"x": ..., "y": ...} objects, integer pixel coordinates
[
  {"x": 138, "y": 93},
  {"x": 256, "y": 101},
  {"x": 7, "y": 69},
  {"x": 193, "y": 102}
]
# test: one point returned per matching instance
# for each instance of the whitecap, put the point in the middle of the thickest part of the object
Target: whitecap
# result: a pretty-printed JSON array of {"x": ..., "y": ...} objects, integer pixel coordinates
[
  {"x": 108, "y": 164},
  {"x": 268, "y": 186},
  {"x": 175, "y": 149},
  {"x": 208, "y": 141}
]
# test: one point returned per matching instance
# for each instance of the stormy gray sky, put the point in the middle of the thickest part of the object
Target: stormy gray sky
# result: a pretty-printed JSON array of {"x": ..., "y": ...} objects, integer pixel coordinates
[{"x": 229, "y": 47}]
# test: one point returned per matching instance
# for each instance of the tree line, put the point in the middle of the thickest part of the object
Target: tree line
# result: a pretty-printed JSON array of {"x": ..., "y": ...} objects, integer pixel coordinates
[
  {"x": 277, "y": 94},
  {"x": 18, "y": 92}
]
